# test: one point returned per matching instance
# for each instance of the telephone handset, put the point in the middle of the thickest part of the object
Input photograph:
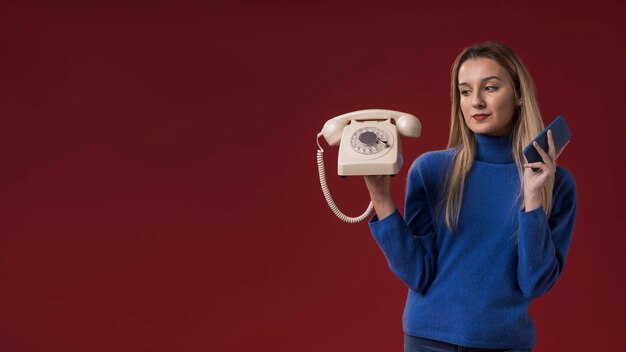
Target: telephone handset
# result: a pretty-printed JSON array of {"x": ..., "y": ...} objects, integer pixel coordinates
[{"x": 369, "y": 144}]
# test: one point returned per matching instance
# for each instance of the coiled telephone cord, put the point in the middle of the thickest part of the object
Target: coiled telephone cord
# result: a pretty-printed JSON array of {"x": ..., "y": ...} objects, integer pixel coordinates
[{"x": 329, "y": 199}]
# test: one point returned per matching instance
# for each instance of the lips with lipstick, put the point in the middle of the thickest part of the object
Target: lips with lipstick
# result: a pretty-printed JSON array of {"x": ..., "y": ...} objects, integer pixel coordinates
[{"x": 480, "y": 117}]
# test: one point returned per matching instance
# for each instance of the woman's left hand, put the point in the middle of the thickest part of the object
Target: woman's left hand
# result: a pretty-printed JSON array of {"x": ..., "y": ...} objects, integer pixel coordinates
[{"x": 535, "y": 181}]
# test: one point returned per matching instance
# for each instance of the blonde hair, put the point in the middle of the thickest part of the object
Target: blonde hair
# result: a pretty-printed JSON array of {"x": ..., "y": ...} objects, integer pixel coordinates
[{"x": 527, "y": 125}]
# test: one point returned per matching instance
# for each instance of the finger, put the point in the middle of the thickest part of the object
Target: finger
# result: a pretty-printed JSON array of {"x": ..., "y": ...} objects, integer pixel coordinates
[
  {"x": 546, "y": 158},
  {"x": 534, "y": 165},
  {"x": 561, "y": 151},
  {"x": 551, "y": 148},
  {"x": 539, "y": 165}
]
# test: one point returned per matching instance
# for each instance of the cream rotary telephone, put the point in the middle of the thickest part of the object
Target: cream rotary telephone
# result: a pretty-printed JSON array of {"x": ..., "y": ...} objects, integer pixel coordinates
[{"x": 369, "y": 144}]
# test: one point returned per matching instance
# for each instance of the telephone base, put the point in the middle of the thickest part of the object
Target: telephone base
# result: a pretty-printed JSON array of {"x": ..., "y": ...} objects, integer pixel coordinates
[{"x": 366, "y": 169}]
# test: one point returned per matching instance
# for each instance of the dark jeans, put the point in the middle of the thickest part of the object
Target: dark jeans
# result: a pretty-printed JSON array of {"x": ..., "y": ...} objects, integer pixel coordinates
[{"x": 418, "y": 344}]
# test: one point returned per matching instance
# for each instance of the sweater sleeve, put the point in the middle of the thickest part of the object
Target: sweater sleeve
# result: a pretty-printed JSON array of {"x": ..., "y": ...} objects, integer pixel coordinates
[
  {"x": 543, "y": 242},
  {"x": 409, "y": 245}
]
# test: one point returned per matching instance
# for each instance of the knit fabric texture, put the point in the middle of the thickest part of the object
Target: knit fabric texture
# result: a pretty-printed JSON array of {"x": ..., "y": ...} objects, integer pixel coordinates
[{"x": 473, "y": 287}]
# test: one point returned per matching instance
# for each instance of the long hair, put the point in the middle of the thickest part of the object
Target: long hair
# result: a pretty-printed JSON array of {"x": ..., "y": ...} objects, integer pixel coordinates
[{"x": 527, "y": 125}]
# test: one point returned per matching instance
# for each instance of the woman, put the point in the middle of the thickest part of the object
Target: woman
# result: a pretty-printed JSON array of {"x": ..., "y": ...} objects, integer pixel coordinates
[{"x": 482, "y": 235}]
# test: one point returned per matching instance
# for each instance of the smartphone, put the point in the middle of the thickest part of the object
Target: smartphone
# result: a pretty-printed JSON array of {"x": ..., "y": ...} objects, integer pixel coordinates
[{"x": 561, "y": 134}]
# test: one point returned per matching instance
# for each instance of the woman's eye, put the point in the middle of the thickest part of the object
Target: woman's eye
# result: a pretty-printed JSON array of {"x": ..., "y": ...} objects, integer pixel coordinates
[
  {"x": 465, "y": 93},
  {"x": 491, "y": 88}
]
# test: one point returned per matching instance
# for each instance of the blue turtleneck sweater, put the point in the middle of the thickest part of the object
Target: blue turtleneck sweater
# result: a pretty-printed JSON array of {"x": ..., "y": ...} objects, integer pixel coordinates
[{"x": 473, "y": 287}]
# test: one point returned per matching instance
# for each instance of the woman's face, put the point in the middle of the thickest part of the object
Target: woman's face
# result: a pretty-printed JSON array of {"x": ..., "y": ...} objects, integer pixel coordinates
[{"x": 487, "y": 97}]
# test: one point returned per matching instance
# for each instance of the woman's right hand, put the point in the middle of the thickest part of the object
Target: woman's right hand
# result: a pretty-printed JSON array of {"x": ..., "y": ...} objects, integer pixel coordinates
[{"x": 380, "y": 194}]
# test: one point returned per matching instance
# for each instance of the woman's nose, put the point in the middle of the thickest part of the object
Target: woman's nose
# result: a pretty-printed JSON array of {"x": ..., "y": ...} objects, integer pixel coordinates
[{"x": 477, "y": 100}]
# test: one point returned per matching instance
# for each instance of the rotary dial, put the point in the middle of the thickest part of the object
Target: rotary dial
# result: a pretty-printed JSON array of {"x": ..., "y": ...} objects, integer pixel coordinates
[{"x": 369, "y": 140}]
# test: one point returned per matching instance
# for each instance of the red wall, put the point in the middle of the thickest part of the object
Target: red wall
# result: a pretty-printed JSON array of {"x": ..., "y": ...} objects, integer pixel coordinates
[{"x": 158, "y": 185}]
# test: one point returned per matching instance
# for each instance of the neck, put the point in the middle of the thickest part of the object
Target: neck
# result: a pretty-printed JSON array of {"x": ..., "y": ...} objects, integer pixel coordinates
[{"x": 494, "y": 149}]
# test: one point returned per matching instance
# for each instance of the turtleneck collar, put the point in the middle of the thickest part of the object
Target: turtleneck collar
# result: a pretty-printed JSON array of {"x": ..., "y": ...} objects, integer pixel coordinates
[{"x": 493, "y": 149}]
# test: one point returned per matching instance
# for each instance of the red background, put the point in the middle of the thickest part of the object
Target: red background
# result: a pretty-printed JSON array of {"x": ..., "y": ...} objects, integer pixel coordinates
[{"x": 158, "y": 185}]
